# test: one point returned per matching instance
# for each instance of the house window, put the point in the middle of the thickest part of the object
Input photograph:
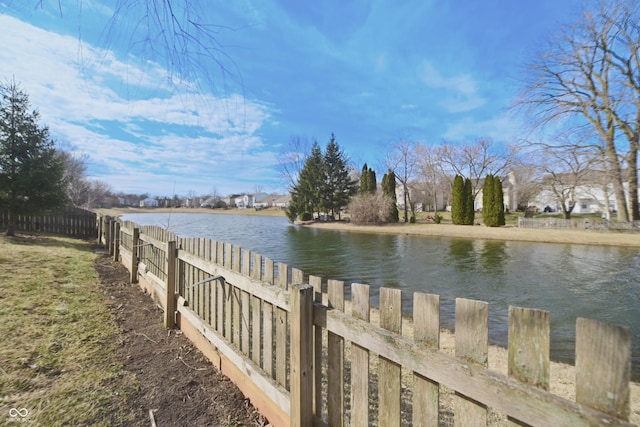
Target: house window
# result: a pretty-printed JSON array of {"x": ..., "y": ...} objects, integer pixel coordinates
[{"x": 584, "y": 207}]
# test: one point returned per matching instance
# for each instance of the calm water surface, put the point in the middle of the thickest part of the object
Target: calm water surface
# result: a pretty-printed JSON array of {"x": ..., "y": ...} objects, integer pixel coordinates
[{"x": 570, "y": 281}]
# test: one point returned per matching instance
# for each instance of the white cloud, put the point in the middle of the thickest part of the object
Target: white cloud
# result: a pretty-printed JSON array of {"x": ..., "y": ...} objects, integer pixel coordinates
[
  {"x": 115, "y": 110},
  {"x": 460, "y": 91}
]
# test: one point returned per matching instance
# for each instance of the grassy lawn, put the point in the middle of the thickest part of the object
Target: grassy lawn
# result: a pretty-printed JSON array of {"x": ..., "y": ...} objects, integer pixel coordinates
[{"x": 59, "y": 351}]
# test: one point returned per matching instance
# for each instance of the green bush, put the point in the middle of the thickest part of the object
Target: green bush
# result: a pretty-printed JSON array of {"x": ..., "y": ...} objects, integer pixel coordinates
[{"x": 306, "y": 216}]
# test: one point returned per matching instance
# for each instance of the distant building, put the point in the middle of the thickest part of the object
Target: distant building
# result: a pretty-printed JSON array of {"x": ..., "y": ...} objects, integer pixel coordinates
[{"x": 149, "y": 202}]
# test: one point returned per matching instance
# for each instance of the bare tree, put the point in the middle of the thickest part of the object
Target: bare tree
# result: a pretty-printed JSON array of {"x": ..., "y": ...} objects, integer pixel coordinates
[
  {"x": 565, "y": 171},
  {"x": 292, "y": 159},
  {"x": 402, "y": 160},
  {"x": 435, "y": 184},
  {"x": 474, "y": 161},
  {"x": 588, "y": 80}
]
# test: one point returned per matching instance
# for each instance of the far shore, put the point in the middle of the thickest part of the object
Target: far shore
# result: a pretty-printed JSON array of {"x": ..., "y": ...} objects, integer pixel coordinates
[{"x": 507, "y": 233}]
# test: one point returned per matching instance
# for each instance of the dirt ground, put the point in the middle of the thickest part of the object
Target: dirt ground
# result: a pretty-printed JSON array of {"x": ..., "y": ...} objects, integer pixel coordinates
[{"x": 177, "y": 384}]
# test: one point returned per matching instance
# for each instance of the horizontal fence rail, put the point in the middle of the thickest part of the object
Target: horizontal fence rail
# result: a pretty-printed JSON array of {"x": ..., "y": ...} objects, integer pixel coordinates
[
  {"x": 72, "y": 222},
  {"x": 577, "y": 224},
  {"x": 304, "y": 354}
]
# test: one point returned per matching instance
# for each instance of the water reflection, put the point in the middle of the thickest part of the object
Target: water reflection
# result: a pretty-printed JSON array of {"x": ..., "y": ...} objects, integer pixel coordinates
[{"x": 570, "y": 281}]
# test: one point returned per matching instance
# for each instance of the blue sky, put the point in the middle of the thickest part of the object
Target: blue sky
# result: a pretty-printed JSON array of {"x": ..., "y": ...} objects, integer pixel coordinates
[{"x": 370, "y": 72}]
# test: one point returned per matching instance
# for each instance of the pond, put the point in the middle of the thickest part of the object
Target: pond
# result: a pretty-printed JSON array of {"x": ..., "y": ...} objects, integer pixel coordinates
[{"x": 570, "y": 281}]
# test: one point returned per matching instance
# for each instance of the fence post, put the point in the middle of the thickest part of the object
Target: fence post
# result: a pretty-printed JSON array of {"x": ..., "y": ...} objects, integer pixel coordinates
[
  {"x": 135, "y": 247},
  {"x": 170, "y": 308},
  {"x": 116, "y": 242},
  {"x": 301, "y": 396},
  {"x": 109, "y": 235}
]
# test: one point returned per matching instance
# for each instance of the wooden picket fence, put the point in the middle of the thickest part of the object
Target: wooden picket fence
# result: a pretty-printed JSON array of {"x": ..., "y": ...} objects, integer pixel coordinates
[
  {"x": 306, "y": 355},
  {"x": 73, "y": 222}
]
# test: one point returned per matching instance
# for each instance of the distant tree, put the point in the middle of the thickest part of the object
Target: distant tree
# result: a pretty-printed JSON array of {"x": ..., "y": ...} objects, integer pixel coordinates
[
  {"x": 402, "y": 159},
  {"x": 31, "y": 170},
  {"x": 458, "y": 201},
  {"x": 306, "y": 192},
  {"x": 368, "y": 182},
  {"x": 488, "y": 215},
  {"x": 389, "y": 191},
  {"x": 469, "y": 205},
  {"x": 474, "y": 160},
  {"x": 492, "y": 202},
  {"x": 338, "y": 186},
  {"x": 498, "y": 200}
]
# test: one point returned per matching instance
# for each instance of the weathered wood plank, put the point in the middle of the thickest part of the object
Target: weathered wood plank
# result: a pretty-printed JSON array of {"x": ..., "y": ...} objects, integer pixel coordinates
[
  {"x": 426, "y": 331},
  {"x": 256, "y": 329},
  {"x": 267, "y": 336},
  {"x": 529, "y": 343},
  {"x": 603, "y": 367},
  {"x": 528, "y": 349},
  {"x": 237, "y": 316},
  {"x": 301, "y": 397},
  {"x": 389, "y": 372},
  {"x": 269, "y": 271},
  {"x": 316, "y": 282},
  {"x": 170, "y": 310},
  {"x": 283, "y": 276},
  {"x": 256, "y": 270},
  {"x": 472, "y": 345},
  {"x": 360, "y": 359},
  {"x": 335, "y": 359},
  {"x": 281, "y": 347},
  {"x": 245, "y": 337}
]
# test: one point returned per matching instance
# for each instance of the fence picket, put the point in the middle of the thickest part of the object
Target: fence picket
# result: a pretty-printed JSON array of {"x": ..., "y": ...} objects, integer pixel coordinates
[
  {"x": 316, "y": 282},
  {"x": 389, "y": 372},
  {"x": 603, "y": 367},
  {"x": 360, "y": 360},
  {"x": 426, "y": 330},
  {"x": 335, "y": 361},
  {"x": 472, "y": 345}
]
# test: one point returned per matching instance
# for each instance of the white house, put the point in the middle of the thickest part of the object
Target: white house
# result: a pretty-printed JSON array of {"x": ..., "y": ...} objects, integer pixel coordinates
[{"x": 149, "y": 202}]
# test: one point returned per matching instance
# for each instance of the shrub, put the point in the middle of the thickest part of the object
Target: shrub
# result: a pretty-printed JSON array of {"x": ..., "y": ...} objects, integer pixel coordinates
[
  {"x": 369, "y": 209},
  {"x": 306, "y": 216}
]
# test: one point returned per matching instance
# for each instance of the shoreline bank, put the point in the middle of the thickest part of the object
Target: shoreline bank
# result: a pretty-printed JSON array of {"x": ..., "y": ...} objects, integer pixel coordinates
[{"x": 507, "y": 233}]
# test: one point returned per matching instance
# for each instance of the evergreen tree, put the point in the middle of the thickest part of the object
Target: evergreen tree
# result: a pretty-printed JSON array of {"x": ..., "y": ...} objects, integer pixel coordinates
[
  {"x": 489, "y": 215},
  {"x": 368, "y": 182},
  {"x": 305, "y": 195},
  {"x": 389, "y": 191},
  {"x": 458, "y": 201},
  {"x": 31, "y": 170},
  {"x": 364, "y": 180},
  {"x": 338, "y": 186},
  {"x": 469, "y": 205},
  {"x": 498, "y": 195},
  {"x": 493, "y": 202},
  {"x": 373, "y": 182}
]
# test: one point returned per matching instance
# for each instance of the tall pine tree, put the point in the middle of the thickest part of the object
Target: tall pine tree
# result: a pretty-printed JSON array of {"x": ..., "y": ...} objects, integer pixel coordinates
[
  {"x": 338, "y": 186},
  {"x": 305, "y": 195},
  {"x": 31, "y": 170}
]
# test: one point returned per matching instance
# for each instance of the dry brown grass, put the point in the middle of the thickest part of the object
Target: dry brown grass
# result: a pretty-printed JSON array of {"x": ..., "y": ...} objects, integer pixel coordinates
[{"x": 58, "y": 358}]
